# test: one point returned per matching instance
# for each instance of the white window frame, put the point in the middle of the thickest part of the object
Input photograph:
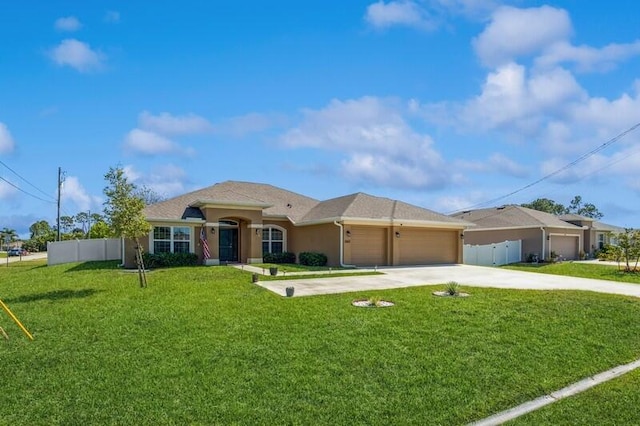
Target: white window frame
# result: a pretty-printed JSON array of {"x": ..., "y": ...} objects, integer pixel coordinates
[
  {"x": 171, "y": 240},
  {"x": 266, "y": 228}
]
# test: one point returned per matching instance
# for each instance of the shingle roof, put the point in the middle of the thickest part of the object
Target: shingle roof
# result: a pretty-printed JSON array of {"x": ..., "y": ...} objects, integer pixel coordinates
[
  {"x": 281, "y": 202},
  {"x": 300, "y": 209},
  {"x": 511, "y": 216},
  {"x": 365, "y": 206},
  {"x": 605, "y": 227},
  {"x": 576, "y": 217}
]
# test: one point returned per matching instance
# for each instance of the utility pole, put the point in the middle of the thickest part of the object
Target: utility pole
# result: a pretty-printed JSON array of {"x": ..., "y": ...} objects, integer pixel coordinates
[{"x": 60, "y": 180}]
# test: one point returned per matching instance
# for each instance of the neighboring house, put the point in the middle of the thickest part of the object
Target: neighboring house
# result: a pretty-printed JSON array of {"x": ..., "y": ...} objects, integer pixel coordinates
[
  {"x": 241, "y": 221},
  {"x": 596, "y": 235},
  {"x": 541, "y": 233}
]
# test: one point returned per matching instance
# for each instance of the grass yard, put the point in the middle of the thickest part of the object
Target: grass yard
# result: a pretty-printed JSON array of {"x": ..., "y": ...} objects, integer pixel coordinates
[
  {"x": 582, "y": 270},
  {"x": 205, "y": 346}
]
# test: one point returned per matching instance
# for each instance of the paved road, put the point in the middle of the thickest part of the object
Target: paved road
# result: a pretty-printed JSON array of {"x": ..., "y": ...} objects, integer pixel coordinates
[
  {"x": 32, "y": 256},
  {"x": 475, "y": 276}
]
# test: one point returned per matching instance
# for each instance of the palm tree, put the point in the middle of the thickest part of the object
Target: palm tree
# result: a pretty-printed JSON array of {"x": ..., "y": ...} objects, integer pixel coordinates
[{"x": 8, "y": 235}]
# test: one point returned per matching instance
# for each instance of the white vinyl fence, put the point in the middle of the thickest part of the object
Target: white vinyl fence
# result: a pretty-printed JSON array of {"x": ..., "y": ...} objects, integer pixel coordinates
[
  {"x": 83, "y": 250},
  {"x": 493, "y": 254}
]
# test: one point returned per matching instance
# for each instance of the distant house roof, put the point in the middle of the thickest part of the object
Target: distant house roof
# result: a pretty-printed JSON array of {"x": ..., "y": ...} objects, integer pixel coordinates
[
  {"x": 512, "y": 216},
  {"x": 280, "y": 203},
  {"x": 575, "y": 217},
  {"x": 604, "y": 227}
]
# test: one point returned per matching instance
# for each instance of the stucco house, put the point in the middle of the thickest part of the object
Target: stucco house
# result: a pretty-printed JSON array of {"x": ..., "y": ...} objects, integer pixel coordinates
[
  {"x": 541, "y": 233},
  {"x": 596, "y": 234},
  {"x": 240, "y": 221}
]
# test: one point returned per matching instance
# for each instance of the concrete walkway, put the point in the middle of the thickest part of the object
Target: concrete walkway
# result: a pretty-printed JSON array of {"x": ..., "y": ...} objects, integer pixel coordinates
[{"x": 465, "y": 275}]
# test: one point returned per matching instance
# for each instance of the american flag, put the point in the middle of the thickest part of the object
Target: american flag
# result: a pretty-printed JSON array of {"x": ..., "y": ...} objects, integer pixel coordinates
[{"x": 205, "y": 244}]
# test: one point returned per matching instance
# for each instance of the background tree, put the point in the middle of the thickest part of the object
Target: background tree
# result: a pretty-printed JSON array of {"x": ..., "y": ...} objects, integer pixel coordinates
[
  {"x": 586, "y": 209},
  {"x": 124, "y": 213},
  {"x": 100, "y": 229},
  {"x": 40, "y": 228},
  {"x": 546, "y": 205},
  {"x": 82, "y": 219},
  {"x": 66, "y": 223},
  {"x": 8, "y": 236},
  {"x": 148, "y": 195}
]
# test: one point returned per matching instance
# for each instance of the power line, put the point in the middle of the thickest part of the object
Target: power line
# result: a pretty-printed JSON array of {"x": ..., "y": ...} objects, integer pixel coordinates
[
  {"x": 560, "y": 170},
  {"x": 25, "y": 180},
  {"x": 28, "y": 193}
]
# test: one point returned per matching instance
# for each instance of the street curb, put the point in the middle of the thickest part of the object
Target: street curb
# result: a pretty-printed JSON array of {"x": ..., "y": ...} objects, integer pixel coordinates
[{"x": 572, "y": 389}]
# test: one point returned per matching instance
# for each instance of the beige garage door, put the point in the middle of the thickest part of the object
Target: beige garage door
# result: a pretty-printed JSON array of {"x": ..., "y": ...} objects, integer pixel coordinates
[
  {"x": 424, "y": 247},
  {"x": 368, "y": 246},
  {"x": 564, "y": 246}
]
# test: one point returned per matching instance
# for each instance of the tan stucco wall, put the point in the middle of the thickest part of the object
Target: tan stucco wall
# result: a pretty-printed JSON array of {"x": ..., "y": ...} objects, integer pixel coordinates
[{"x": 318, "y": 238}]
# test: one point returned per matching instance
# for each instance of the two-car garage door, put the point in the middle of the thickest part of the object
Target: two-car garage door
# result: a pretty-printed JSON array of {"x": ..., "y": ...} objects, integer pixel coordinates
[
  {"x": 371, "y": 246},
  {"x": 425, "y": 247}
]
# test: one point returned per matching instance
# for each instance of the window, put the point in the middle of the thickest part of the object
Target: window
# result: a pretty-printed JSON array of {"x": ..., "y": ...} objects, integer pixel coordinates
[
  {"x": 171, "y": 239},
  {"x": 600, "y": 241},
  {"x": 273, "y": 239}
]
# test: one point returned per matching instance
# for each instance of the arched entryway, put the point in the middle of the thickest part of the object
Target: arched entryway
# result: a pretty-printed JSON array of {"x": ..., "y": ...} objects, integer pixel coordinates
[{"x": 228, "y": 239}]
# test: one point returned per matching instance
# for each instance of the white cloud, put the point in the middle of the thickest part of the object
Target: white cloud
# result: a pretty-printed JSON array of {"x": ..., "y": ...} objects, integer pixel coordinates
[
  {"x": 519, "y": 103},
  {"x": 587, "y": 58},
  {"x": 514, "y": 32},
  {"x": 149, "y": 143},
  {"x": 6, "y": 141},
  {"x": 112, "y": 17},
  {"x": 398, "y": 12},
  {"x": 72, "y": 190},
  {"x": 496, "y": 163},
  {"x": 78, "y": 55},
  {"x": 6, "y": 190},
  {"x": 68, "y": 23},
  {"x": 166, "y": 180},
  {"x": 378, "y": 143},
  {"x": 168, "y": 124}
]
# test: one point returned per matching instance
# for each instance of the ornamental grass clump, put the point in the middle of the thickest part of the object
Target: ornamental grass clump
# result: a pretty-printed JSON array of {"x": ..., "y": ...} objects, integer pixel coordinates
[{"x": 452, "y": 288}]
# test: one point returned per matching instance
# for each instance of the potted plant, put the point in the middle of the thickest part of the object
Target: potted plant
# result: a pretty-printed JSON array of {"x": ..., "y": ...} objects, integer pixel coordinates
[
  {"x": 273, "y": 270},
  {"x": 289, "y": 291}
]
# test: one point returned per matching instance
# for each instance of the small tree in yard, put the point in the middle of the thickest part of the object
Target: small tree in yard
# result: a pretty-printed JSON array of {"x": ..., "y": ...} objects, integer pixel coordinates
[
  {"x": 123, "y": 211},
  {"x": 628, "y": 249}
]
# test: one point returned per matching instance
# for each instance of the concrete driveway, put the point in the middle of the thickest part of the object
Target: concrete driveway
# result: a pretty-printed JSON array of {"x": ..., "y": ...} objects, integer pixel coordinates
[{"x": 465, "y": 275}]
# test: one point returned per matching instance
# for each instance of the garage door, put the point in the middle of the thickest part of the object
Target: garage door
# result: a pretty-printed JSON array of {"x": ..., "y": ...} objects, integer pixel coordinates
[
  {"x": 368, "y": 246},
  {"x": 424, "y": 247},
  {"x": 564, "y": 246}
]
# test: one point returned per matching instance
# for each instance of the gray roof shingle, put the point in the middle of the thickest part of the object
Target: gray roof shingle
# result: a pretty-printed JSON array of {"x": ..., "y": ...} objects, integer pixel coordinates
[
  {"x": 298, "y": 208},
  {"x": 512, "y": 216}
]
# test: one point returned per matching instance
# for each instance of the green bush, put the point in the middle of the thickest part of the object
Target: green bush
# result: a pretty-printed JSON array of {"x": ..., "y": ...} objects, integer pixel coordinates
[
  {"x": 285, "y": 257},
  {"x": 313, "y": 259},
  {"x": 168, "y": 260}
]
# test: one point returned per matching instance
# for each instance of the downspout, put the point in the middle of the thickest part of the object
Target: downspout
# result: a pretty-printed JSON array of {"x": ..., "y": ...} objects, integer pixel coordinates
[
  {"x": 544, "y": 238},
  {"x": 342, "y": 264}
]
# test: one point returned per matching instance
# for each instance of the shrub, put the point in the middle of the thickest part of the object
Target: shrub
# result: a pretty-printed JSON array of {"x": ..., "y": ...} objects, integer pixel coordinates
[
  {"x": 313, "y": 259},
  {"x": 284, "y": 257},
  {"x": 168, "y": 260}
]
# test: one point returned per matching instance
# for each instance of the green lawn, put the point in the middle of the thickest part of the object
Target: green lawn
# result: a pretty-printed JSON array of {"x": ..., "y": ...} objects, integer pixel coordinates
[
  {"x": 583, "y": 270},
  {"x": 205, "y": 346}
]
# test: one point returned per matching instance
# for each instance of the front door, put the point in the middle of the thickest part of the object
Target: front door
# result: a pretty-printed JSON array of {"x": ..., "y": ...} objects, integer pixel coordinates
[{"x": 228, "y": 244}]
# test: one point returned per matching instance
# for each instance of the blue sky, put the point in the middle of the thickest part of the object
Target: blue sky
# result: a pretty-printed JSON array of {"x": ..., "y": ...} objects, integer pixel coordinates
[{"x": 446, "y": 104}]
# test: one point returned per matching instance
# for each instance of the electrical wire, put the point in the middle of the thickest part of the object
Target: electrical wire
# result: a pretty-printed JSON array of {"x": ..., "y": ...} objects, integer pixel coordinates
[
  {"x": 28, "y": 193},
  {"x": 25, "y": 180},
  {"x": 558, "y": 171}
]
